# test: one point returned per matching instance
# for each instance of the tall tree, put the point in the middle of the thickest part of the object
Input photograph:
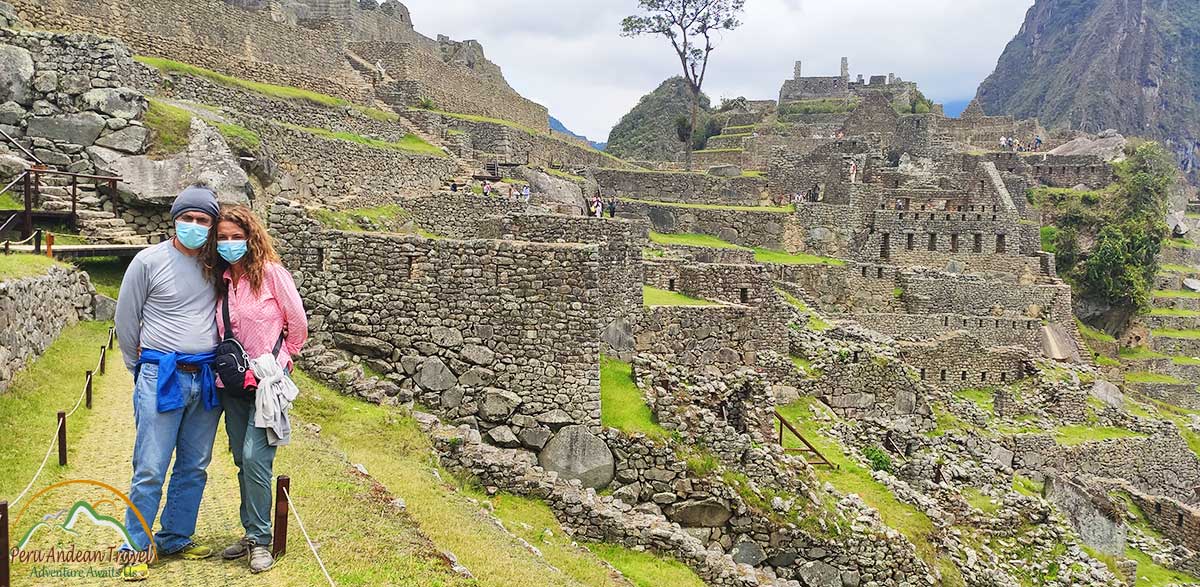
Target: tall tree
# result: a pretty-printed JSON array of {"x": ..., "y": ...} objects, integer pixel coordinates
[{"x": 690, "y": 25}]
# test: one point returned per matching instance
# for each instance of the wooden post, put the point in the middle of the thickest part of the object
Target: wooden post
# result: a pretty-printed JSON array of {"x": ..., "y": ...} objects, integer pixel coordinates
[
  {"x": 50, "y": 244},
  {"x": 27, "y": 226},
  {"x": 111, "y": 332},
  {"x": 112, "y": 190},
  {"x": 5, "y": 580},
  {"x": 103, "y": 358},
  {"x": 74, "y": 196},
  {"x": 283, "y": 485},
  {"x": 62, "y": 439},
  {"x": 88, "y": 389},
  {"x": 37, "y": 242}
]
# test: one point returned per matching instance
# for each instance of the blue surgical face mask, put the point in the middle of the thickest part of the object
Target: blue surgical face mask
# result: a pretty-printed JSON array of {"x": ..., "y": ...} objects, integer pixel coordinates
[
  {"x": 192, "y": 236},
  {"x": 232, "y": 251}
]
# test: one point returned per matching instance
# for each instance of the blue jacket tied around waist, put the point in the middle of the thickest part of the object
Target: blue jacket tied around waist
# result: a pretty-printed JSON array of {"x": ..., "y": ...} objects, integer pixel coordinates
[{"x": 170, "y": 395}]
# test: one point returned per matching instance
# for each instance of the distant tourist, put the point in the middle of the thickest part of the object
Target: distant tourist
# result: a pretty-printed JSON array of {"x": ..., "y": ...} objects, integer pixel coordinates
[
  {"x": 612, "y": 207},
  {"x": 1037, "y": 143},
  {"x": 1003, "y": 143},
  {"x": 487, "y": 188},
  {"x": 260, "y": 308},
  {"x": 526, "y": 193},
  {"x": 597, "y": 207},
  {"x": 164, "y": 321},
  {"x": 853, "y": 172},
  {"x": 453, "y": 186}
]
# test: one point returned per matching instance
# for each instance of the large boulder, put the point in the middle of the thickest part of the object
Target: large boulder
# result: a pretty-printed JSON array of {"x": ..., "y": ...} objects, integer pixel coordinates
[
  {"x": 78, "y": 129},
  {"x": 131, "y": 139},
  {"x": 705, "y": 513},
  {"x": 498, "y": 405},
  {"x": 11, "y": 166},
  {"x": 156, "y": 182},
  {"x": 434, "y": 375},
  {"x": 575, "y": 453},
  {"x": 819, "y": 574},
  {"x": 124, "y": 103},
  {"x": 564, "y": 195},
  {"x": 11, "y": 113},
  {"x": 16, "y": 75}
]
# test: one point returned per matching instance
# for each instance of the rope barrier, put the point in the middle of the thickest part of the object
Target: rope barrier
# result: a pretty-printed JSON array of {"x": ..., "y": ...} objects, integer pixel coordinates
[
  {"x": 311, "y": 546},
  {"x": 25, "y": 240},
  {"x": 57, "y": 428}
]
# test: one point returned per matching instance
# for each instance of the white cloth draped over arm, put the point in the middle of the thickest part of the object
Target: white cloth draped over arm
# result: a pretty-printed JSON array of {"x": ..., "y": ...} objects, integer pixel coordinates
[{"x": 274, "y": 398}]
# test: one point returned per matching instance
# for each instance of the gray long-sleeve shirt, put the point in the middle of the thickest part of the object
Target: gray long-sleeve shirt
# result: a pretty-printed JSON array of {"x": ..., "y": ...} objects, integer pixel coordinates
[{"x": 166, "y": 304}]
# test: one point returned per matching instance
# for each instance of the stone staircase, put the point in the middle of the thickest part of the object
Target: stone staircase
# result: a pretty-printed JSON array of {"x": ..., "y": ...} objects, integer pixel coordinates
[{"x": 96, "y": 221}]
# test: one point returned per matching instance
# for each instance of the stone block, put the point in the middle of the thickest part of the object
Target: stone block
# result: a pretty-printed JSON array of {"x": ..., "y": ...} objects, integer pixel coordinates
[
  {"x": 16, "y": 75},
  {"x": 81, "y": 129},
  {"x": 575, "y": 453},
  {"x": 498, "y": 405},
  {"x": 434, "y": 375},
  {"x": 124, "y": 103},
  {"x": 131, "y": 139}
]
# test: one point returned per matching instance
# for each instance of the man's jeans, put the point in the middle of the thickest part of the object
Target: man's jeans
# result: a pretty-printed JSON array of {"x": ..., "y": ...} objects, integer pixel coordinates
[
  {"x": 254, "y": 458},
  {"x": 186, "y": 432}
]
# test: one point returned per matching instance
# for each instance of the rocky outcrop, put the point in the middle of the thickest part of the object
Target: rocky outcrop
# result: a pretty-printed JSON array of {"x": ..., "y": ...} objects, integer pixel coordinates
[{"x": 157, "y": 181}]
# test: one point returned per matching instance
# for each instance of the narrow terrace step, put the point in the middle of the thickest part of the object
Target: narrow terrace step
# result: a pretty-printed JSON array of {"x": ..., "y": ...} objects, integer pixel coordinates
[
  {"x": 1183, "y": 395},
  {"x": 1186, "y": 343},
  {"x": 1174, "y": 299}
]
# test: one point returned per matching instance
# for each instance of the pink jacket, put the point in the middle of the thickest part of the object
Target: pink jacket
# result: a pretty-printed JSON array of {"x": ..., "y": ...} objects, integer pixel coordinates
[{"x": 258, "y": 317}]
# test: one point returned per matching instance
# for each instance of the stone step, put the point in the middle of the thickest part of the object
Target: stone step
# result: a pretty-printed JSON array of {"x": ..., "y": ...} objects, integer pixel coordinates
[{"x": 94, "y": 214}]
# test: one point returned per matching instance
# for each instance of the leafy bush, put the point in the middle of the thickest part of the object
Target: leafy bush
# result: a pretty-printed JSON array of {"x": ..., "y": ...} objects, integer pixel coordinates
[
  {"x": 426, "y": 104},
  {"x": 880, "y": 461}
]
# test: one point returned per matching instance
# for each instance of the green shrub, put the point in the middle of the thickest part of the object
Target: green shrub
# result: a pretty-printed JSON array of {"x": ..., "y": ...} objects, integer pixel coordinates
[
  {"x": 426, "y": 104},
  {"x": 880, "y": 461}
]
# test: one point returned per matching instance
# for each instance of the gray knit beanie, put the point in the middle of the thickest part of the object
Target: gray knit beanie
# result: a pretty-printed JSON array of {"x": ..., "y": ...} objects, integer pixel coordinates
[{"x": 200, "y": 198}]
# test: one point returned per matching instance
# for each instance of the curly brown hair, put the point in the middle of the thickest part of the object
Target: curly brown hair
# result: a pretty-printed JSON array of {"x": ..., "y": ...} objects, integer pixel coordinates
[{"x": 259, "y": 249}]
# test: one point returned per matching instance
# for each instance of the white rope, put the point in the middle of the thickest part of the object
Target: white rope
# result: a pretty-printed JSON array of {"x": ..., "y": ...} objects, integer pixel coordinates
[
  {"x": 311, "y": 546},
  {"x": 45, "y": 459}
]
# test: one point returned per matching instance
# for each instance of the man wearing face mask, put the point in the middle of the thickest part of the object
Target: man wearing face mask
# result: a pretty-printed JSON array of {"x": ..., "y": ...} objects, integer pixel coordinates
[{"x": 164, "y": 321}]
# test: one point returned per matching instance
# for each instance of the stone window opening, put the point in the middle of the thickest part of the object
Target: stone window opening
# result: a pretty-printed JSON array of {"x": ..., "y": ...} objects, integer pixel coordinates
[
  {"x": 1003, "y": 377},
  {"x": 885, "y": 246},
  {"x": 864, "y": 271},
  {"x": 855, "y": 356},
  {"x": 744, "y": 295},
  {"x": 966, "y": 322},
  {"x": 1029, "y": 326},
  {"x": 671, "y": 284},
  {"x": 963, "y": 376},
  {"x": 879, "y": 272},
  {"x": 947, "y": 217},
  {"x": 408, "y": 267},
  {"x": 978, "y": 246},
  {"x": 1179, "y": 519},
  {"x": 945, "y": 320},
  {"x": 321, "y": 259},
  {"x": 1157, "y": 508},
  {"x": 922, "y": 374},
  {"x": 979, "y": 217},
  {"x": 943, "y": 375},
  {"x": 909, "y": 240},
  {"x": 953, "y": 242},
  {"x": 933, "y": 241},
  {"x": 997, "y": 323},
  {"x": 1000, "y": 243},
  {"x": 983, "y": 375}
]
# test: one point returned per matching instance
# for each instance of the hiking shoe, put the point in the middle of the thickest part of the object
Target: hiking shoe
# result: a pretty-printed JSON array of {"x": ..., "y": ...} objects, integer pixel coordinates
[
  {"x": 194, "y": 552},
  {"x": 260, "y": 559},
  {"x": 237, "y": 550},
  {"x": 135, "y": 572}
]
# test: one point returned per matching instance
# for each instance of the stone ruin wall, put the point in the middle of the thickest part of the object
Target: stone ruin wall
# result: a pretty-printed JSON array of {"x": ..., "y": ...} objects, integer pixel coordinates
[
  {"x": 34, "y": 310},
  {"x": 748, "y": 285},
  {"x": 501, "y": 143},
  {"x": 962, "y": 361},
  {"x": 460, "y": 215},
  {"x": 666, "y": 186},
  {"x": 748, "y": 228},
  {"x": 988, "y": 331},
  {"x": 621, "y": 242},
  {"x": 695, "y": 336},
  {"x": 528, "y": 325},
  {"x": 211, "y": 34},
  {"x": 452, "y": 87}
]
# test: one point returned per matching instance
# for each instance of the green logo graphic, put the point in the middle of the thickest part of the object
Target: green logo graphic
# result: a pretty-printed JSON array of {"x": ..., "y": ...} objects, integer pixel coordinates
[{"x": 81, "y": 510}]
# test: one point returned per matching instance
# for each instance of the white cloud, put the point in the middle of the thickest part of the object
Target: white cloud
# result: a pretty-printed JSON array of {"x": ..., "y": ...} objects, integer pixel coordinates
[{"x": 569, "y": 55}]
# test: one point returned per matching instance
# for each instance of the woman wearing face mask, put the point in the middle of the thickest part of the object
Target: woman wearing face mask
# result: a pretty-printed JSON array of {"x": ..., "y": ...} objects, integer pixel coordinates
[{"x": 267, "y": 317}]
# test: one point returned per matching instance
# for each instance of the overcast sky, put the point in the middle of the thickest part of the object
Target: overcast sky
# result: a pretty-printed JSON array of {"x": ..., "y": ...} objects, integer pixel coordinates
[{"x": 569, "y": 55}]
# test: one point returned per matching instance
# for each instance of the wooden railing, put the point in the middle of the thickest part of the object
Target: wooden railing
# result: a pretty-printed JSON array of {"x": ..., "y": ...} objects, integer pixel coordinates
[
  {"x": 31, "y": 186},
  {"x": 810, "y": 452}
]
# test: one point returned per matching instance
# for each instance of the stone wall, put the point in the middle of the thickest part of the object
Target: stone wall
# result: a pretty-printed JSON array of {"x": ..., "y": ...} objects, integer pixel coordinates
[
  {"x": 462, "y": 215},
  {"x": 939, "y": 293},
  {"x": 214, "y": 35},
  {"x": 34, "y": 310},
  {"x": 700, "y": 335},
  {"x": 959, "y": 360},
  {"x": 620, "y": 241},
  {"x": 474, "y": 327},
  {"x": 749, "y": 228},
  {"x": 748, "y": 285},
  {"x": 666, "y": 186},
  {"x": 988, "y": 331},
  {"x": 453, "y": 87}
]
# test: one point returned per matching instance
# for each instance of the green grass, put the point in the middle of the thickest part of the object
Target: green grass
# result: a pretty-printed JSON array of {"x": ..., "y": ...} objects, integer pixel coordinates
[
  {"x": 692, "y": 240},
  {"x": 818, "y": 106},
  {"x": 1180, "y": 243},
  {"x": 815, "y": 322},
  {"x": 739, "y": 129},
  {"x": 565, "y": 175},
  {"x": 774, "y": 209},
  {"x": 982, "y": 397},
  {"x": 348, "y": 220},
  {"x": 653, "y": 296},
  {"x": 1049, "y": 234},
  {"x": 805, "y": 366},
  {"x": 1185, "y": 361},
  {"x": 784, "y": 258},
  {"x": 1175, "y": 293},
  {"x": 1093, "y": 333},
  {"x": 1174, "y": 312},
  {"x": 106, "y": 273},
  {"x": 1027, "y": 486},
  {"x": 622, "y": 405},
  {"x": 1139, "y": 353},
  {"x": 410, "y": 144},
  {"x": 1151, "y": 574},
  {"x": 171, "y": 126},
  {"x": 1175, "y": 333},
  {"x": 703, "y": 151},
  {"x": 398, "y": 455},
  {"x": 1104, "y": 361},
  {"x": 852, "y": 477},
  {"x": 51, "y": 383},
  {"x": 753, "y": 173},
  {"x": 1075, "y": 435},
  {"x": 1175, "y": 268},
  {"x": 533, "y": 521},
  {"x": 272, "y": 90},
  {"x": 1147, "y": 377},
  {"x": 645, "y": 569},
  {"x": 9, "y": 202},
  {"x": 522, "y": 128},
  {"x": 980, "y": 501},
  {"x": 239, "y": 137},
  {"x": 19, "y": 265}
]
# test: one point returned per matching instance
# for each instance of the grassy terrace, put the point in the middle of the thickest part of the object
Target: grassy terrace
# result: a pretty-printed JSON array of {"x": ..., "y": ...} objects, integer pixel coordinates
[
  {"x": 784, "y": 258},
  {"x": 1094, "y": 334},
  {"x": 691, "y": 240},
  {"x": 1176, "y": 293},
  {"x": 653, "y": 296},
  {"x": 1174, "y": 312},
  {"x": 852, "y": 477},
  {"x": 774, "y": 209},
  {"x": 1180, "y": 243},
  {"x": 21, "y": 265},
  {"x": 814, "y": 321},
  {"x": 1176, "y": 268},
  {"x": 171, "y": 126},
  {"x": 106, "y": 273},
  {"x": 1148, "y": 377},
  {"x": 411, "y": 144},
  {"x": 272, "y": 90},
  {"x": 761, "y": 255},
  {"x": 1175, "y": 333},
  {"x": 522, "y": 128},
  {"x": 622, "y": 405},
  {"x": 1140, "y": 353},
  {"x": 1076, "y": 435}
]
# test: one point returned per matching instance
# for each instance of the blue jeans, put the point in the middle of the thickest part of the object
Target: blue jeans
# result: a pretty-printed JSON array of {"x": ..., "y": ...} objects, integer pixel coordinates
[
  {"x": 187, "y": 433},
  {"x": 255, "y": 459}
]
